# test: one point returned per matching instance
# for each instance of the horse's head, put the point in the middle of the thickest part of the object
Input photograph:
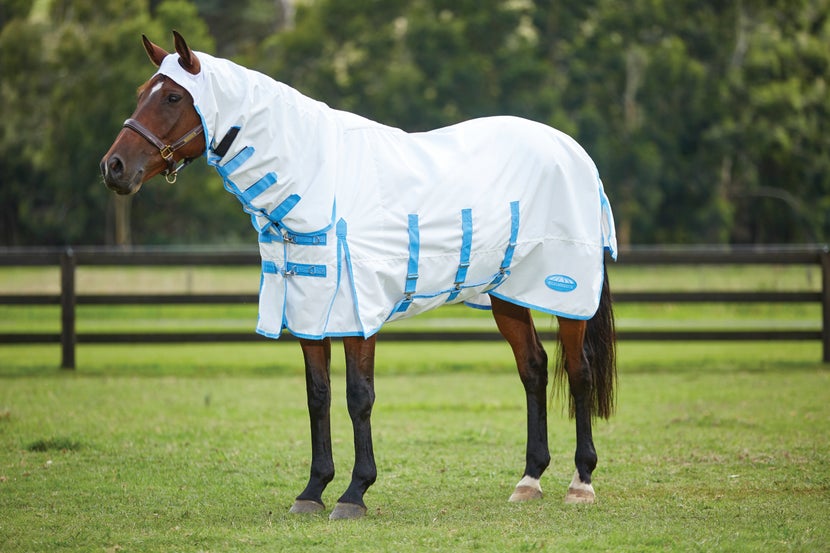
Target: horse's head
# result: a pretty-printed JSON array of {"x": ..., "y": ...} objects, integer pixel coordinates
[{"x": 164, "y": 131}]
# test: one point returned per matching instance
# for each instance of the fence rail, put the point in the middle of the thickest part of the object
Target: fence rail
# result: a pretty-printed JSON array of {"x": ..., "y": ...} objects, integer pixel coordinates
[{"x": 68, "y": 259}]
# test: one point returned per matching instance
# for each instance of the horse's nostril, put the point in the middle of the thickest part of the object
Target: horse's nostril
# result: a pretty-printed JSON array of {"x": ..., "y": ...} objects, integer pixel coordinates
[{"x": 115, "y": 166}]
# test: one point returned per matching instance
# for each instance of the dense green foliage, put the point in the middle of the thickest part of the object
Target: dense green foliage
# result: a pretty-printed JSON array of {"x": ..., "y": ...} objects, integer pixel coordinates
[{"x": 706, "y": 118}]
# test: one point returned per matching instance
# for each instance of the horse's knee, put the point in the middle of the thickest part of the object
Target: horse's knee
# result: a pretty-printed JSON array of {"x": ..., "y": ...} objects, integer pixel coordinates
[
  {"x": 534, "y": 370},
  {"x": 319, "y": 399},
  {"x": 579, "y": 377},
  {"x": 360, "y": 397}
]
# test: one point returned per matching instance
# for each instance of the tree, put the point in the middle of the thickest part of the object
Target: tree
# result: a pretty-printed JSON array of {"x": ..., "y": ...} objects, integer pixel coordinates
[
  {"x": 73, "y": 68},
  {"x": 706, "y": 118},
  {"x": 776, "y": 155}
]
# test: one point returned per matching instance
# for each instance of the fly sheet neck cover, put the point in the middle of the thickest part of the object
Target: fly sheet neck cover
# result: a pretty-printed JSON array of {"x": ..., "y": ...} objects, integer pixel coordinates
[{"x": 360, "y": 223}]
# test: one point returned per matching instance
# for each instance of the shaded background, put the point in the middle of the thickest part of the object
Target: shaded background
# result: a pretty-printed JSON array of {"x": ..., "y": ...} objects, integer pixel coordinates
[{"x": 707, "y": 119}]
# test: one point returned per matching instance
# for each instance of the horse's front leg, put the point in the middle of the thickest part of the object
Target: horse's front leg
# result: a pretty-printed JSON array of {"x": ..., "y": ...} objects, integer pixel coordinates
[
  {"x": 572, "y": 335},
  {"x": 317, "y": 356},
  {"x": 360, "y": 397}
]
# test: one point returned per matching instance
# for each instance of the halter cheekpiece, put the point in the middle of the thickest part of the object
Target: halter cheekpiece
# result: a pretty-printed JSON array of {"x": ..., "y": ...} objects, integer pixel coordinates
[{"x": 166, "y": 150}]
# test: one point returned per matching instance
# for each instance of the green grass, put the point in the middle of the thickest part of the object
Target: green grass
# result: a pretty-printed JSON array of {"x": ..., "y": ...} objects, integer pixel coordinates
[{"x": 716, "y": 447}]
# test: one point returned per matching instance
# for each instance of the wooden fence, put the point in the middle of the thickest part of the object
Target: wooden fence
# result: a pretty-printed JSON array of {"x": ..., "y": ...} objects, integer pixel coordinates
[{"x": 69, "y": 259}]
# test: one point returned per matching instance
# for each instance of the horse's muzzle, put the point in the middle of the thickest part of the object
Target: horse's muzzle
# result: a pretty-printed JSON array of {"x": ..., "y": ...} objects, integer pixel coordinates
[{"x": 116, "y": 178}]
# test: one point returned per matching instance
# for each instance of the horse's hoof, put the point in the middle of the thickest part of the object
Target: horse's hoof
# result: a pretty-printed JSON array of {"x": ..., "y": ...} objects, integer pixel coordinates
[
  {"x": 579, "y": 496},
  {"x": 579, "y": 492},
  {"x": 527, "y": 489},
  {"x": 525, "y": 493},
  {"x": 306, "y": 506},
  {"x": 345, "y": 511}
]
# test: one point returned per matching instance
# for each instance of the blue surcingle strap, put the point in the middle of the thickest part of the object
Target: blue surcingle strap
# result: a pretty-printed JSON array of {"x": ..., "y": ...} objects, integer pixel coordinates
[
  {"x": 466, "y": 247},
  {"x": 317, "y": 239},
  {"x": 304, "y": 269},
  {"x": 511, "y": 246},
  {"x": 412, "y": 265}
]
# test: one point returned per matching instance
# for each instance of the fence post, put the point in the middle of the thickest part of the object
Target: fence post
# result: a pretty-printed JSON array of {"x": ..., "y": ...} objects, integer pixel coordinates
[
  {"x": 68, "y": 337},
  {"x": 825, "y": 304}
]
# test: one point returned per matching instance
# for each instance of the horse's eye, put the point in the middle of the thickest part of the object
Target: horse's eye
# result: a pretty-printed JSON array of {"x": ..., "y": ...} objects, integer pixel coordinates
[{"x": 173, "y": 98}]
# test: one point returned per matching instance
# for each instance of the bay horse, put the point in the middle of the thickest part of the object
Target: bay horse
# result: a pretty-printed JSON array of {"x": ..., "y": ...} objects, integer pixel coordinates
[{"x": 359, "y": 224}]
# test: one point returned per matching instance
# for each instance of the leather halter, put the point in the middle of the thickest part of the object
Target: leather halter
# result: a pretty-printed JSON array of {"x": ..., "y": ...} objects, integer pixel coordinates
[{"x": 166, "y": 150}]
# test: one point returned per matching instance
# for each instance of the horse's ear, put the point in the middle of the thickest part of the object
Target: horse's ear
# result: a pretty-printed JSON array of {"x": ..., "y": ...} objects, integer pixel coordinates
[
  {"x": 156, "y": 53},
  {"x": 187, "y": 59}
]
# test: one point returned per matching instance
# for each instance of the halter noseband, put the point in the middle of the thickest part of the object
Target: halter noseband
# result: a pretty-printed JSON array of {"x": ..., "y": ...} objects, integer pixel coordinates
[{"x": 166, "y": 150}]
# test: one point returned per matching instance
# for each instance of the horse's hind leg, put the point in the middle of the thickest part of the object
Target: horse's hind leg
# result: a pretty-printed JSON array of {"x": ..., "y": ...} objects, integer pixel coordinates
[
  {"x": 317, "y": 356},
  {"x": 572, "y": 337},
  {"x": 360, "y": 397},
  {"x": 516, "y": 325}
]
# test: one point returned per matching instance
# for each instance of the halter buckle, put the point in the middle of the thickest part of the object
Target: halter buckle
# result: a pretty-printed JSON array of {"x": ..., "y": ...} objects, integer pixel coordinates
[{"x": 166, "y": 153}]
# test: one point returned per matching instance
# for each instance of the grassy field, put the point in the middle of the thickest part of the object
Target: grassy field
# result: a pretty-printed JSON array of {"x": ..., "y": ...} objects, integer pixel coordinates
[{"x": 715, "y": 446}]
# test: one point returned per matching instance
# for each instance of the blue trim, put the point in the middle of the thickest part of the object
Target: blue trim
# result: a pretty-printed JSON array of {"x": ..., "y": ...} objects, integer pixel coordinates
[
  {"x": 542, "y": 309},
  {"x": 466, "y": 247},
  {"x": 608, "y": 213},
  {"x": 341, "y": 234},
  {"x": 343, "y": 254},
  {"x": 480, "y": 307},
  {"x": 208, "y": 139},
  {"x": 269, "y": 267},
  {"x": 412, "y": 264},
  {"x": 324, "y": 335},
  {"x": 283, "y": 208},
  {"x": 260, "y": 186},
  {"x": 272, "y": 335},
  {"x": 305, "y": 269}
]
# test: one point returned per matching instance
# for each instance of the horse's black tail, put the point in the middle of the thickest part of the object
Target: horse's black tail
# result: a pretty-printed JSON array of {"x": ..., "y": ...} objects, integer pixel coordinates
[{"x": 601, "y": 353}]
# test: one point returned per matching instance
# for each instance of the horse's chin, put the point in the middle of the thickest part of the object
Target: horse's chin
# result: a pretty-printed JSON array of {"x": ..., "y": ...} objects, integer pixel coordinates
[{"x": 124, "y": 188}]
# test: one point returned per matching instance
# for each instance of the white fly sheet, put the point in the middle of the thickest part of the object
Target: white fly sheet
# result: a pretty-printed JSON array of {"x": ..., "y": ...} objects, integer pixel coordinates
[{"x": 360, "y": 223}]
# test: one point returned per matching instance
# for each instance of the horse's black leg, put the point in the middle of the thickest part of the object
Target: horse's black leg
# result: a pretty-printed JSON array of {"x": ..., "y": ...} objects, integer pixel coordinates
[
  {"x": 572, "y": 336},
  {"x": 317, "y": 355},
  {"x": 516, "y": 325},
  {"x": 360, "y": 397}
]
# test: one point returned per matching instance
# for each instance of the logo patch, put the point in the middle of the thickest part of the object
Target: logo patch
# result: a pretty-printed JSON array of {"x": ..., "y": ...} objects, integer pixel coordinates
[{"x": 560, "y": 283}]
